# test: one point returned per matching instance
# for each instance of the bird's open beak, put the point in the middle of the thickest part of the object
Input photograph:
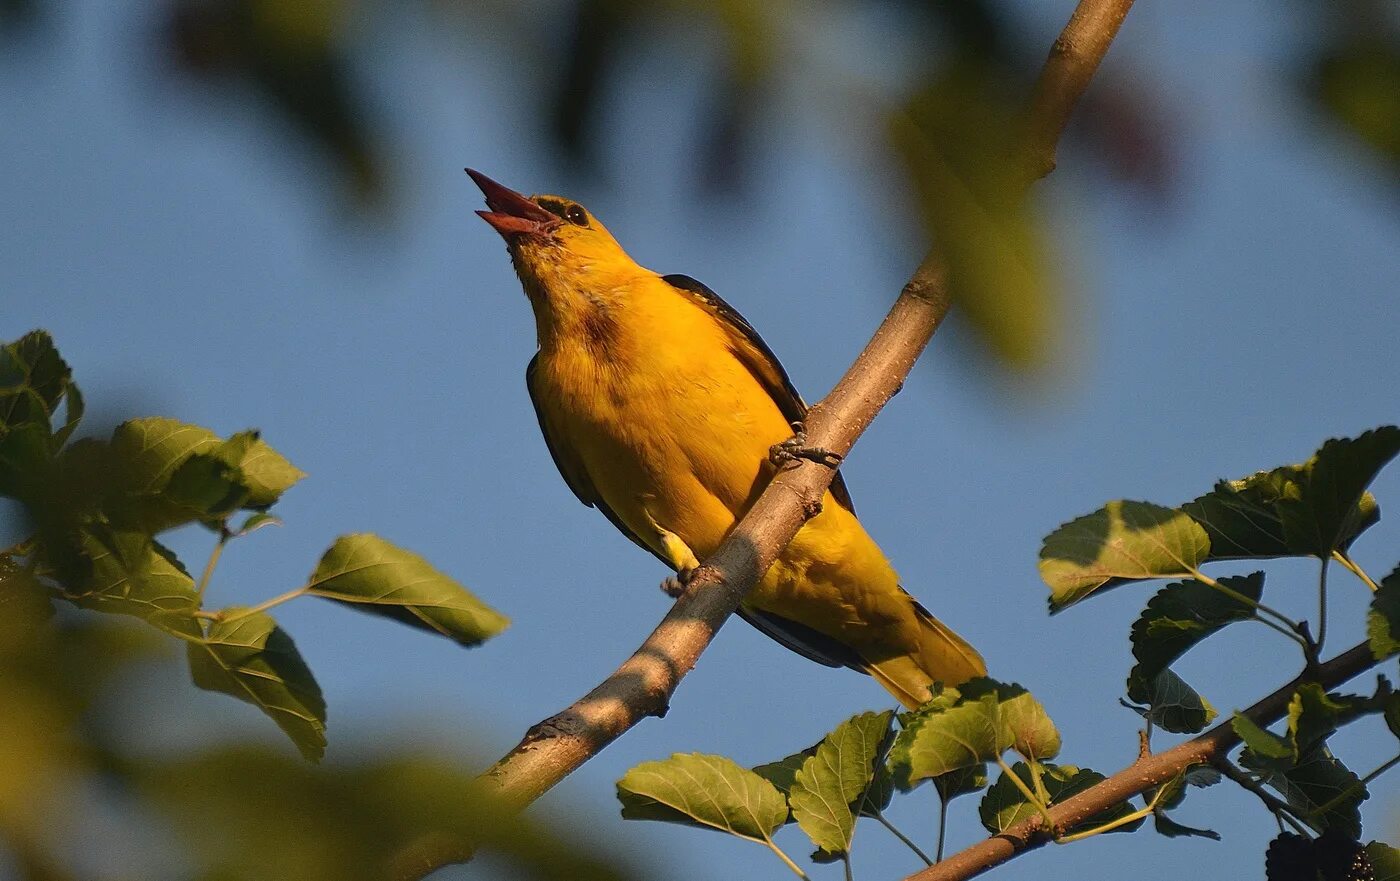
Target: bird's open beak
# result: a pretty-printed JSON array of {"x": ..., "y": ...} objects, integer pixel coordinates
[{"x": 512, "y": 214}]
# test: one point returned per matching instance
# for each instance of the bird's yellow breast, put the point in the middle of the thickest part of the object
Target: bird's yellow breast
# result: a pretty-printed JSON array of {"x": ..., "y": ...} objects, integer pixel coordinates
[{"x": 671, "y": 427}]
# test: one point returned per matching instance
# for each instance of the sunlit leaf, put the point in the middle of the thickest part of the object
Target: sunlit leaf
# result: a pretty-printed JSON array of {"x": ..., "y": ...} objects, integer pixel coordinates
[
  {"x": 936, "y": 739},
  {"x": 1313, "y": 716},
  {"x": 372, "y": 575},
  {"x": 837, "y": 776},
  {"x": 250, "y": 657},
  {"x": 1024, "y": 724},
  {"x": 133, "y": 575},
  {"x": 151, "y": 448},
  {"x": 1265, "y": 749},
  {"x": 1005, "y": 805},
  {"x": 701, "y": 790},
  {"x": 266, "y": 472},
  {"x": 1184, "y": 613},
  {"x": 1122, "y": 540}
]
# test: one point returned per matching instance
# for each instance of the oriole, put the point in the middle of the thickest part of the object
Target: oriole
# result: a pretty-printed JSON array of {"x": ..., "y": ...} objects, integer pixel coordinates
[{"x": 659, "y": 404}]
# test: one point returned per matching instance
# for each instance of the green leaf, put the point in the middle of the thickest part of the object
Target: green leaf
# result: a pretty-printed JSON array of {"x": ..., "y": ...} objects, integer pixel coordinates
[
  {"x": 1315, "y": 781},
  {"x": 939, "y": 739},
  {"x": 133, "y": 575},
  {"x": 1313, "y": 716},
  {"x": 1024, "y": 724},
  {"x": 702, "y": 790},
  {"x": 1239, "y": 516},
  {"x": 1168, "y": 797},
  {"x": 266, "y": 472},
  {"x": 257, "y": 521},
  {"x": 25, "y": 463},
  {"x": 835, "y": 778},
  {"x": 783, "y": 772},
  {"x": 205, "y": 487},
  {"x": 1171, "y": 703},
  {"x": 1392, "y": 714},
  {"x": 33, "y": 379},
  {"x": 1383, "y": 619},
  {"x": 963, "y": 781},
  {"x": 1266, "y": 750},
  {"x": 1122, "y": 541},
  {"x": 1005, "y": 804},
  {"x": 1331, "y": 511},
  {"x": 1186, "y": 612},
  {"x": 150, "y": 449},
  {"x": 375, "y": 576},
  {"x": 253, "y": 659},
  {"x": 1385, "y": 861}
]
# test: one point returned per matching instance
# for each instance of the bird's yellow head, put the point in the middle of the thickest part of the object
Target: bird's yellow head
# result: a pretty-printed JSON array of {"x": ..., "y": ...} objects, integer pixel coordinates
[{"x": 571, "y": 267}]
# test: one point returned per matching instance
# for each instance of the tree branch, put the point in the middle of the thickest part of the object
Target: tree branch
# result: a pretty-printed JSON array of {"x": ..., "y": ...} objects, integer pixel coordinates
[
  {"x": 1145, "y": 773},
  {"x": 642, "y": 686},
  {"x": 1074, "y": 59}
]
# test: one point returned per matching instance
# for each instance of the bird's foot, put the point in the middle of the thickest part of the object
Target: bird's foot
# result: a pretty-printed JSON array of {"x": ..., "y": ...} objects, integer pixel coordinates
[
  {"x": 796, "y": 447},
  {"x": 675, "y": 585}
]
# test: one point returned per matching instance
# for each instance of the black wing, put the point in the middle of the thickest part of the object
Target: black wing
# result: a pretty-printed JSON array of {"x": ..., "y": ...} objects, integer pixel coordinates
[
  {"x": 572, "y": 470},
  {"x": 750, "y": 348}
]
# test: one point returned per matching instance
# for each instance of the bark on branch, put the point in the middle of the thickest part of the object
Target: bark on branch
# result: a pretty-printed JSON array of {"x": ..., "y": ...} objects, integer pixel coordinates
[
  {"x": 1149, "y": 771},
  {"x": 642, "y": 686}
]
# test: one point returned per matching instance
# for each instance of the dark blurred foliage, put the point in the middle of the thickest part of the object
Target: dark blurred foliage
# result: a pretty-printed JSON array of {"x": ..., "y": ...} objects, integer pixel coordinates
[
  {"x": 237, "y": 811},
  {"x": 1353, "y": 74}
]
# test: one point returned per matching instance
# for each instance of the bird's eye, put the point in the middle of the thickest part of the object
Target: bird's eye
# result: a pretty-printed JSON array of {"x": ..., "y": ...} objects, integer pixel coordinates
[{"x": 575, "y": 215}]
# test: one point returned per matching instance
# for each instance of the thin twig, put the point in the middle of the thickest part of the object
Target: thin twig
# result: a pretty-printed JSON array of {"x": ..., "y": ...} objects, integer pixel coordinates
[
  {"x": 1142, "y": 775},
  {"x": 1277, "y": 806}
]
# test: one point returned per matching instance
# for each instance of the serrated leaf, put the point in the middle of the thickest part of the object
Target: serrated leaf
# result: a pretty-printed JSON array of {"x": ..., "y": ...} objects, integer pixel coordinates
[
  {"x": 1170, "y": 702},
  {"x": 939, "y": 739},
  {"x": 266, "y": 472},
  {"x": 1330, "y": 512},
  {"x": 703, "y": 790},
  {"x": 1122, "y": 541},
  {"x": 370, "y": 574},
  {"x": 250, "y": 657},
  {"x": 1005, "y": 804},
  {"x": 1383, "y": 618},
  {"x": 1385, "y": 861},
  {"x": 1239, "y": 516},
  {"x": 1203, "y": 776},
  {"x": 133, "y": 575},
  {"x": 1313, "y": 715},
  {"x": 33, "y": 379},
  {"x": 1186, "y": 612},
  {"x": 837, "y": 776},
  {"x": 1316, "y": 780},
  {"x": 1024, "y": 724}
]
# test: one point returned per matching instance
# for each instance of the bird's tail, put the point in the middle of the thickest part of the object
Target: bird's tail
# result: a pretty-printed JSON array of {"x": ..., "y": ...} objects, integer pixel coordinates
[{"x": 942, "y": 656}]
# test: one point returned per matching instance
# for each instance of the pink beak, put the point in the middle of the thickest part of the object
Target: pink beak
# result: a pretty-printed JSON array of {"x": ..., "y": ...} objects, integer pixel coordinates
[{"x": 511, "y": 213}]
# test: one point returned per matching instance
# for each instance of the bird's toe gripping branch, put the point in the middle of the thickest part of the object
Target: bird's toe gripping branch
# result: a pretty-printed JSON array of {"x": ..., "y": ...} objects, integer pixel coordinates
[
  {"x": 796, "y": 447},
  {"x": 674, "y": 585}
]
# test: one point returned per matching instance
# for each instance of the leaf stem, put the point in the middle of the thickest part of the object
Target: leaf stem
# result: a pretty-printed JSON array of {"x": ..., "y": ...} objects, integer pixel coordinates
[
  {"x": 1282, "y": 811},
  {"x": 1030, "y": 795},
  {"x": 942, "y": 826},
  {"x": 884, "y": 821},
  {"x": 846, "y": 864},
  {"x": 1124, "y": 820},
  {"x": 787, "y": 860},
  {"x": 1321, "y": 607},
  {"x": 265, "y": 604},
  {"x": 1252, "y": 603},
  {"x": 213, "y": 561},
  {"x": 1350, "y": 564}
]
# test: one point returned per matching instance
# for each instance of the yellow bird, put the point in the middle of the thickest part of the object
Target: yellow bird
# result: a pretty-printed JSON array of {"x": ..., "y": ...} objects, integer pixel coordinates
[{"x": 660, "y": 404}]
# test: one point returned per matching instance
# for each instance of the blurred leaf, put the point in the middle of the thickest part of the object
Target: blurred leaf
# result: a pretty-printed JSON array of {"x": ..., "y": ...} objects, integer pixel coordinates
[
  {"x": 1383, "y": 619},
  {"x": 1122, "y": 540},
  {"x": 1355, "y": 82},
  {"x": 1005, "y": 805},
  {"x": 251, "y": 658},
  {"x": 375, "y": 576},
  {"x": 33, "y": 379},
  {"x": 134, "y": 575},
  {"x": 832, "y": 780},
  {"x": 257, "y": 521},
  {"x": 959, "y": 138},
  {"x": 1171, "y": 703},
  {"x": 706, "y": 791},
  {"x": 1183, "y": 613}
]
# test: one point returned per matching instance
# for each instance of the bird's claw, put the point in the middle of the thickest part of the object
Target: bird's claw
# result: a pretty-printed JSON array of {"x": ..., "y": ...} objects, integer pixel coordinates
[
  {"x": 796, "y": 447},
  {"x": 674, "y": 585}
]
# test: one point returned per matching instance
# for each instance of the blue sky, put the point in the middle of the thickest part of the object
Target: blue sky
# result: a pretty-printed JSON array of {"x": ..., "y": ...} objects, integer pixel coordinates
[{"x": 180, "y": 248}]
